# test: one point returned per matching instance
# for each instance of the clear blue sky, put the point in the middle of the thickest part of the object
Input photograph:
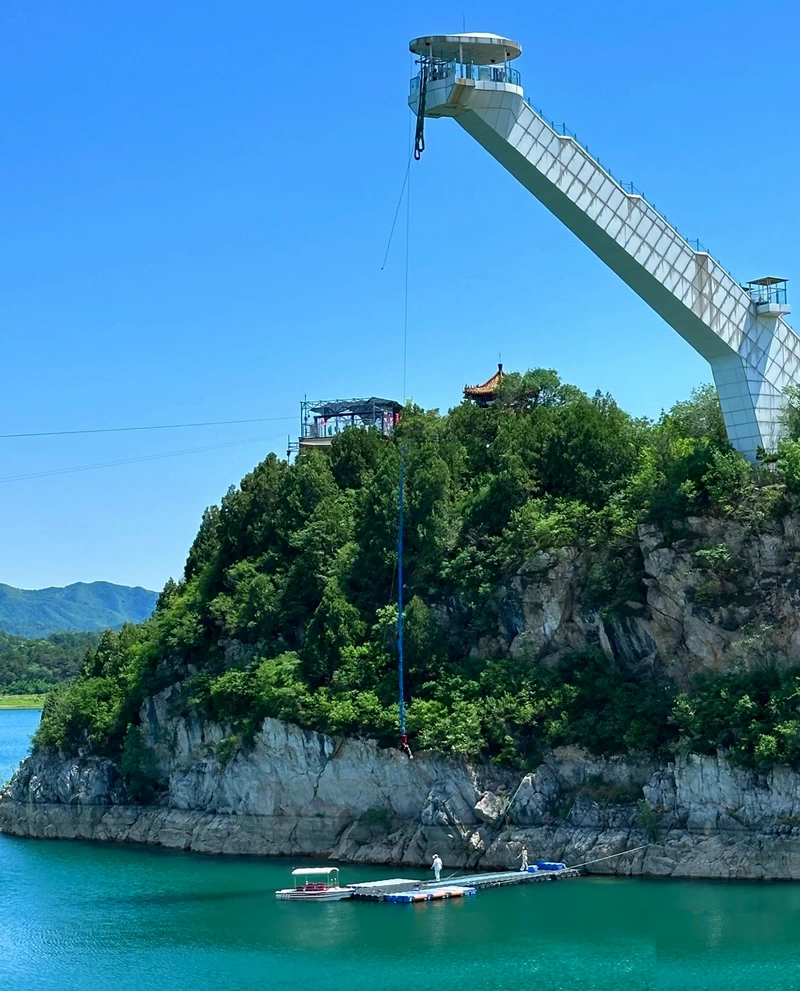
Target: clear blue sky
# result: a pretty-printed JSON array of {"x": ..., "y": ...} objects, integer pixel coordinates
[{"x": 195, "y": 203}]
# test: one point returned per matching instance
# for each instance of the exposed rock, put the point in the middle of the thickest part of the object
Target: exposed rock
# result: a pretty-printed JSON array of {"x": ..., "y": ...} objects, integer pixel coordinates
[
  {"x": 296, "y": 792},
  {"x": 491, "y": 808},
  {"x": 692, "y": 619}
]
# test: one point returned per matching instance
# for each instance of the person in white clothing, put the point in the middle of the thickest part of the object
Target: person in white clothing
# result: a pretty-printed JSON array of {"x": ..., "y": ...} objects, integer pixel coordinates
[
  {"x": 436, "y": 866},
  {"x": 524, "y": 855}
]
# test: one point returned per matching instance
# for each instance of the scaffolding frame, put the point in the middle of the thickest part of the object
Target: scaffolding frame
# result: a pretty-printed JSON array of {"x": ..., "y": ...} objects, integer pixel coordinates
[{"x": 323, "y": 419}]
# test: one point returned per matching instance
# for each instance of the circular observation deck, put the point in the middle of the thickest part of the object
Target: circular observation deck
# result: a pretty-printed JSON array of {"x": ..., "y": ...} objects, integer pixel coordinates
[{"x": 477, "y": 48}]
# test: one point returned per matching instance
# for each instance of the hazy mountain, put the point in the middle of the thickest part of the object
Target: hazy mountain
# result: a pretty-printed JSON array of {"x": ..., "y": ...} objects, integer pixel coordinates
[{"x": 93, "y": 606}]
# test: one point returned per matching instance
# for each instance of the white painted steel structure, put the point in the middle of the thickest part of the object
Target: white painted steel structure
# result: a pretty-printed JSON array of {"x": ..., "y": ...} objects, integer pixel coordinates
[{"x": 753, "y": 352}]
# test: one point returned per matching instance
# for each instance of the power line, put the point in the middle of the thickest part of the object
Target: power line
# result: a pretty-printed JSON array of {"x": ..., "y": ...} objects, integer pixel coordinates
[
  {"x": 130, "y": 461},
  {"x": 156, "y": 426}
]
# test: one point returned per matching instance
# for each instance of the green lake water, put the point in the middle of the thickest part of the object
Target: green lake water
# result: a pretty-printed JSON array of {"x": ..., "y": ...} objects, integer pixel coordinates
[{"x": 118, "y": 918}]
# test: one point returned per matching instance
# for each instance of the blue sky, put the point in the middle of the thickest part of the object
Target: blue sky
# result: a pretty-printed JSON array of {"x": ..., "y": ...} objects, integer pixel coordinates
[{"x": 195, "y": 200}]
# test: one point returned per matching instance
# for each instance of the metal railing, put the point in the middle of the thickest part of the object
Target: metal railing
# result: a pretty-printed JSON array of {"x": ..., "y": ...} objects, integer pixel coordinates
[
  {"x": 504, "y": 73},
  {"x": 468, "y": 70},
  {"x": 627, "y": 187},
  {"x": 775, "y": 293}
]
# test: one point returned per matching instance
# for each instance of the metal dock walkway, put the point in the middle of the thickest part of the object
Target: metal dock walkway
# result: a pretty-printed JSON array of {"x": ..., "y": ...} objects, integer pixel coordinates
[
  {"x": 386, "y": 890},
  {"x": 497, "y": 879}
]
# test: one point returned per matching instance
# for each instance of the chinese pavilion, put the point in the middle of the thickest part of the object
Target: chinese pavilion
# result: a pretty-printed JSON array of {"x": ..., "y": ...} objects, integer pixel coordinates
[{"x": 484, "y": 395}]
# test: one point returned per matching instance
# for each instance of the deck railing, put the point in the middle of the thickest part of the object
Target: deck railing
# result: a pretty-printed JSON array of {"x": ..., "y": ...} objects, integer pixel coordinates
[
  {"x": 468, "y": 70},
  {"x": 505, "y": 73},
  {"x": 775, "y": 293},
  {"x": 627, "y": 187}
]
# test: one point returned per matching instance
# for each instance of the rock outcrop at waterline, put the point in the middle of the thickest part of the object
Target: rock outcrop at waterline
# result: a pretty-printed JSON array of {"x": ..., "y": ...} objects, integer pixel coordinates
[{"x": 296, "y": 792}]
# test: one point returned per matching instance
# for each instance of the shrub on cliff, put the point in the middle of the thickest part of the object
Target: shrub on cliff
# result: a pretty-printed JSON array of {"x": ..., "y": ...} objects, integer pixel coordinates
[
  {"x": 754, "y": 716},
  {"x": 80, "y": 715},
  {"x": 138, "y": 767}
]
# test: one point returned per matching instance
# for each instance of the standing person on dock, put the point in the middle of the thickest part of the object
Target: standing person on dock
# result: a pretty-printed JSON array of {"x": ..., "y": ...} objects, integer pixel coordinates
[
  {"x": 524, "y": 856},
  {"x": 436, "y": 866}
]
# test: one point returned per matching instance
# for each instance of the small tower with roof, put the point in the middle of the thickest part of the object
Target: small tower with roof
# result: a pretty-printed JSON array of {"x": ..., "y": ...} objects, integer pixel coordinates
[{"x": 486, "y": 393}]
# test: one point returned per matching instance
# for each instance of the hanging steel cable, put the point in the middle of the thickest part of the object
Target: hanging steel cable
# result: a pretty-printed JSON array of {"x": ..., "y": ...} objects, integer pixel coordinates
[{"x": 400, "y": 665}]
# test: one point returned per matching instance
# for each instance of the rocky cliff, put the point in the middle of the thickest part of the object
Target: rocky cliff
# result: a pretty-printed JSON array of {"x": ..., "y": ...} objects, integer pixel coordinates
[
  {"x": 723, "y": 596},
  {"x": 298, "y": 792}
]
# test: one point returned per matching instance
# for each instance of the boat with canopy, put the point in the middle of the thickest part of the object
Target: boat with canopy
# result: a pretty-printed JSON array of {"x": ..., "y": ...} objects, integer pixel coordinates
[{"x": 315, "y": 884}]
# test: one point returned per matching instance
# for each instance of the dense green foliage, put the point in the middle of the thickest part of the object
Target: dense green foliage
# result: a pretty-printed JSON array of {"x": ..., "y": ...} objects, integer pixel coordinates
[
  {"x": 95, "y": 606},
  {"x": 286, "y": 606},
  {"x": 32, "y": 667}
]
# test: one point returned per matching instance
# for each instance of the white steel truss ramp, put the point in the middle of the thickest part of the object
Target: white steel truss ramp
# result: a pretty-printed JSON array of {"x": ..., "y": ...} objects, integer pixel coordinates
[{"x": 740, "y": 331}]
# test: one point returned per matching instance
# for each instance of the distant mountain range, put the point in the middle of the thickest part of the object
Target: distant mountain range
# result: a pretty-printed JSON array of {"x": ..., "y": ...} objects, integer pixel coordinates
[{"x": 93, "y": 606}]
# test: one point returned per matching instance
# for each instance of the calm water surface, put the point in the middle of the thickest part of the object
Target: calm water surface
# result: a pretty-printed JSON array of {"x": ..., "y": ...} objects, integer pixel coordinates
[{"x": 93, "y": 916}]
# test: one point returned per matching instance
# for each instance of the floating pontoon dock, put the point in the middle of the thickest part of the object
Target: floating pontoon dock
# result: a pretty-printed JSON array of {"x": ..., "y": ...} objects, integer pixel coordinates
[
  {"x": 404, "y": 889},
  {"x": 497, "y": 879},
  {"x": 430, "y": 894},
  {"x": 408, "y": 890},
  {"x": 376, "y": 891}
]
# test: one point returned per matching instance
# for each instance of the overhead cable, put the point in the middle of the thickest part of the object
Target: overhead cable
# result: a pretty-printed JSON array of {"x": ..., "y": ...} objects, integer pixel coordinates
[
  {"x": 130, "y": 461},
  {"x": 155, "y": 426}
]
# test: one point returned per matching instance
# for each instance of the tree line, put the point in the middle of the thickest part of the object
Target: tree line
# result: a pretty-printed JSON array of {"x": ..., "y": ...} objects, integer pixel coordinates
[{"x": 33, "y": 667}]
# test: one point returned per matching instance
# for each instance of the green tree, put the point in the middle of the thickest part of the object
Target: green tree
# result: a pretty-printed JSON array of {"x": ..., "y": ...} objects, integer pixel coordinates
[
  {"x": 205, "y": 546},
  {"x": 528, "y": 390},
  {"x": 370, "y": 580},
  {"x": 167, "y": 594},
  {"x": 700, "y": 417},
  {"x": 788, "y": 464},
  {"x": 790, "y": 413},
  {"x": 35, "y": 666},
  {"x": 728, "y": 480},
  {"x": 335, "y": 625},
  {"x": 424, "y": 647},
  {"x": 354, "y": 456}
]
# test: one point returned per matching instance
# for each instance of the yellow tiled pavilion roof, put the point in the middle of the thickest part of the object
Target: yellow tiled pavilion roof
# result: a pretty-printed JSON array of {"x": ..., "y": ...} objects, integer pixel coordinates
[{"x": 487, "y": 389}]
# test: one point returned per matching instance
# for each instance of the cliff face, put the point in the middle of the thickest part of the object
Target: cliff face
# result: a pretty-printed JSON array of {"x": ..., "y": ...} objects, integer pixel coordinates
[
  {"x": 702, "y": 611},
  {"x": 725, "y": 597},
  {"x": 298, "y": 792}
]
